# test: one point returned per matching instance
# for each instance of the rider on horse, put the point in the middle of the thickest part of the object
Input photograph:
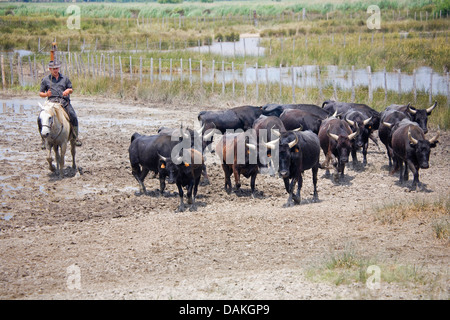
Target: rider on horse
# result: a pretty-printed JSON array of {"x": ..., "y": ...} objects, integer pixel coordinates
[{"x": 57, "y": 88}]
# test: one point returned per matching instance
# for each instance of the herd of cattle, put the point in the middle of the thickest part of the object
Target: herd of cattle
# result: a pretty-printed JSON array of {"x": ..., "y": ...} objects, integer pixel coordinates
[{"x": 285, "y": 138}]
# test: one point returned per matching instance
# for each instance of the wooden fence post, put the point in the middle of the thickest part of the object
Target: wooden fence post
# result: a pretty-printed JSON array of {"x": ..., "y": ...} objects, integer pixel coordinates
[
  {"x": 131, "y": 69},
  {"x": 181, "y": 70},
  {"x": 223, "y": 77},
  {"x": 280, "y": 84},
  {"x": 448, "y": 90},
  {"x": 257, "y": 82},
  {"x": 190, "y": 71},
  {"x": 232, "y": 74},
  {"x": 245, "y": 80},
  {"x": 320, "y": 83},
  {"x": 201, "y": 73},
  {"x": 293, "y": 84},
  {"x": 113, "y": 68},
  {"x": 369, "y": 73},
  {"x": 140, "y": 70},
  {"x": 353, "y": 84},
  {"x": 3, "y": 72},
  {"x": 11, "y": 69},
  {"x": 335, "y": 84},
  {"x": 120, "y": 65},
  {"x": 430, "y": 99},
  {"x": 20, "y": 69},
  {"x": 213, "y": 76},
  {"x": 151, "y": 70},
  {"x": 385, "y": 85},
  {"x": 267, "y": 81},
  {"x": 170, "y": 70}
]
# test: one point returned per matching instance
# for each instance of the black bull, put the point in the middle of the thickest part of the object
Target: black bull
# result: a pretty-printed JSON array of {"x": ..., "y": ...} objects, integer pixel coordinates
[
  {"x": 298, "y": 152},
  {"x": 412, "y": 149},
  {"x": 336, "y": 139},
  {"x": 144, "y": 154}
]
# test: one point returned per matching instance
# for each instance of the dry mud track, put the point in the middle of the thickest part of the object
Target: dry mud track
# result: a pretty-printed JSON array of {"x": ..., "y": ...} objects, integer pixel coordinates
[{"x": 232, "y": 247}]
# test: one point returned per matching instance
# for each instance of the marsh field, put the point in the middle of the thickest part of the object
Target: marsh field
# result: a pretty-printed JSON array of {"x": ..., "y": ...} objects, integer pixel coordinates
[{"x": 89, "y": 236}]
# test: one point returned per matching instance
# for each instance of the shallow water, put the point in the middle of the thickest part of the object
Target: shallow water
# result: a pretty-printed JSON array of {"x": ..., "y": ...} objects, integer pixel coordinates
[{"x": 244, "y": 47}]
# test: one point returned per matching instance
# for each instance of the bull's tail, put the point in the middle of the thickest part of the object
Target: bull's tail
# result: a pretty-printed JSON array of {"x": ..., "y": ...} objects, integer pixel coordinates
[{"x": 134, "y": 136}]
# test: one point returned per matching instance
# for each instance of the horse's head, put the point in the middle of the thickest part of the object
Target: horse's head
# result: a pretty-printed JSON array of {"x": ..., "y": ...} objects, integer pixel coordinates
[{"x": 46, "y": 118}]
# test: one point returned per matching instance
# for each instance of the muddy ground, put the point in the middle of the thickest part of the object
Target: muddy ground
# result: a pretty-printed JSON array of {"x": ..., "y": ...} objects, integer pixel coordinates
[{"x": 88, "y": 236}]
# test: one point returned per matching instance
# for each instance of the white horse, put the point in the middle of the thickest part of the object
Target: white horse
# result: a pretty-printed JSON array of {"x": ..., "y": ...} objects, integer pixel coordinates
[{"x": 56, "y": 132}]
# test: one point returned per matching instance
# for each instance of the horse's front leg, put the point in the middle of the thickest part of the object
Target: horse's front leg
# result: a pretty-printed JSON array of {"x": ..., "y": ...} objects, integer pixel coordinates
[
  {"x": 61, "y": 159},
  {"x": 50, "y": 159}
]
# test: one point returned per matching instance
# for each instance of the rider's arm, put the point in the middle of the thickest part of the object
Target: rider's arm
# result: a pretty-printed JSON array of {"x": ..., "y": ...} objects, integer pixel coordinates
[
  {"x": 67, "y": 91},
  {"x": 44, "y": 94}
]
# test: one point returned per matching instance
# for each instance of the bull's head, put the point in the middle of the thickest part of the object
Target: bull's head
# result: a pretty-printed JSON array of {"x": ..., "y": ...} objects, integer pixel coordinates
[
  {"x": 288, "y": 151},
  {"x": 169, "y": 168},
  {"x": 421, "y": 116},
  {"x": 344, "y": 144},
  {"x": 422, "y": 148}
]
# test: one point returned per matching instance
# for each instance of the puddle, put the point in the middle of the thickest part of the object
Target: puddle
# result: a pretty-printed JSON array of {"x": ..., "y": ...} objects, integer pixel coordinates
[
  {"x": 7, "y": 188},
  {"x": 6, "y": 216},
  {"x": 247, "y": 46},
  {"x": 306, "y": 77}
]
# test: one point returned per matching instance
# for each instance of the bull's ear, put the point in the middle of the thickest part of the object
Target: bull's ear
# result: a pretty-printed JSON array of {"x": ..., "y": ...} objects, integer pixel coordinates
[
  {"x": 296, "y": 149},
  {"x": 434, "y": 144},
  {"x": 162, "y": 165}
]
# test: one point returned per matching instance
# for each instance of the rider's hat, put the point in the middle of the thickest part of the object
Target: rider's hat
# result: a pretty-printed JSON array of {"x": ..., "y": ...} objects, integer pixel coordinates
[{"x": 54, "y": 64}]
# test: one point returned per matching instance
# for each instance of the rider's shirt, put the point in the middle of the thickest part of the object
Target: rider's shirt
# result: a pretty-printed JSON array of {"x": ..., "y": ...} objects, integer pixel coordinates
[{"x": 57, "y": 87}]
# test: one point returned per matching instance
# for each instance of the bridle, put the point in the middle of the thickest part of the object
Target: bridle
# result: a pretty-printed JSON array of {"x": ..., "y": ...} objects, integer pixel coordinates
[{"x": 50, "y": 128}]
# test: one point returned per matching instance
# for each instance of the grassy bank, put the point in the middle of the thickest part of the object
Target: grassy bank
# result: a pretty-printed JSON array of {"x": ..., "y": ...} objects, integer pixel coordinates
[
  {"x": 219, "y": 8},
  {"x": 412, "y": 34}
]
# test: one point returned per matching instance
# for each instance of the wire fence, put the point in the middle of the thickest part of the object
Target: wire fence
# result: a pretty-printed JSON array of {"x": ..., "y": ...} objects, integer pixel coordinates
[{"x": 226, "y": 77}]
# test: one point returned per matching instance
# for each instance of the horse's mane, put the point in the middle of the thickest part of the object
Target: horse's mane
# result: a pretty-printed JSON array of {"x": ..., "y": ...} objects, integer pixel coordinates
[{"x": 57, "y": 110}]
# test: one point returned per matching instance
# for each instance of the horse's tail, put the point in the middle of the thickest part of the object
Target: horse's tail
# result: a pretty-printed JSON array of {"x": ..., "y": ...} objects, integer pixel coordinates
[{"x": 134, "y": 136}]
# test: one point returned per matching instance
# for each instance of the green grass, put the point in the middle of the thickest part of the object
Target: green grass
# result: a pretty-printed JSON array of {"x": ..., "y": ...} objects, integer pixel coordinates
[
  {"x": 347, "y": 267},
  {"x": 420, "y": 208}
]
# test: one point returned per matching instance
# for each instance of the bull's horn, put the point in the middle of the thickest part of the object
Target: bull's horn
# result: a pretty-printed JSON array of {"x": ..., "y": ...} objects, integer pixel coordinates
[
  {"x": 298, "y": 129},
  {"x": 410, "y": 137},
  {"x": 293, "y": 143},
  {"x": 200, "y": 131},
  {"x": 333, "y": 136},
  {"x": 366, "y": 122},
  {"x": 162, "y": 158},
  {"x": 435, "y": 138},
  {"x": 334, "y": 114},
  {"x": 40, "y": 105},
  {"x": 208, "y": 136},
  {"x": 275, "y": 132},
  {"x": 179, "y": 160},
  {"x": 387, "y": 124},
  {"x": 412, "y": 111},
  {"x": 431, "y": 108},
  {"x": 251, "y": 146},
  {"x": 354, "y": 134},
  {"x": 272, "y": 144},
  {"x": 350, "y": 122}
]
